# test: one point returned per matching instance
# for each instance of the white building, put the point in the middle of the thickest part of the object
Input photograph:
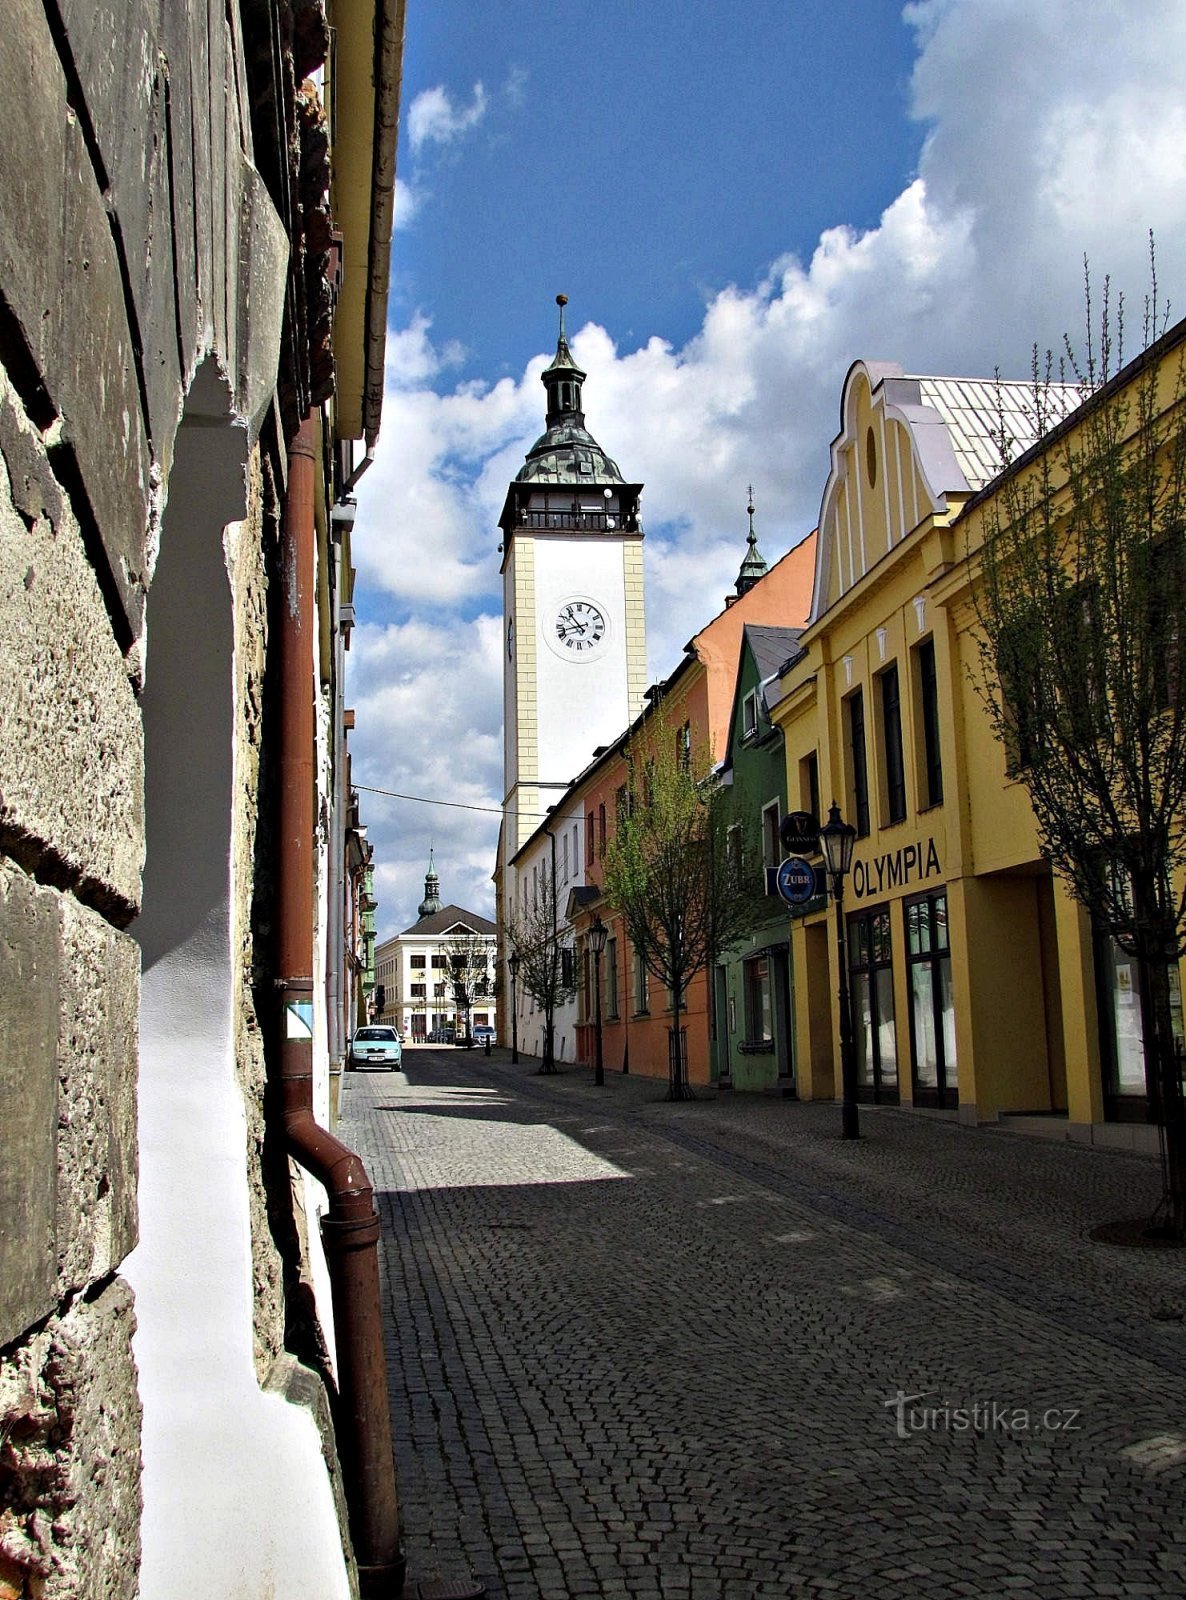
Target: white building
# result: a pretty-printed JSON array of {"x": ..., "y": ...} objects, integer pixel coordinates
[{"x": 415, "y": 969}]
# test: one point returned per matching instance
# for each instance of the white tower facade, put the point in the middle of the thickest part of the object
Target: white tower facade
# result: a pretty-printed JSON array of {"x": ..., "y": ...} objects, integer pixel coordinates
[{"x": 574, "y": 667}]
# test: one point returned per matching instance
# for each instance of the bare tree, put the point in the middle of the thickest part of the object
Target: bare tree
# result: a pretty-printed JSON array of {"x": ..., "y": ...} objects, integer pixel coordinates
[
  {"x": 468, "y": 955},
  {"x": 1081, "y": 605},
  {"x": 676, "y": 870},
  {"x": 536, "y": 933}
]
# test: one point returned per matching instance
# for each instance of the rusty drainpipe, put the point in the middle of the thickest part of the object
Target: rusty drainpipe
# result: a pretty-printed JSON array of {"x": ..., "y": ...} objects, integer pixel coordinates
[{"x": 350, "y": 1229}]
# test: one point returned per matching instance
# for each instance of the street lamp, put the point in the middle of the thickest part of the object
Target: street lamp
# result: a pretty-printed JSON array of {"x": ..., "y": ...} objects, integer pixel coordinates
[
  {"x": 836, "y": 840},
  {"x": 513, "y": 966},
  {"x": 598, "y": 934}
]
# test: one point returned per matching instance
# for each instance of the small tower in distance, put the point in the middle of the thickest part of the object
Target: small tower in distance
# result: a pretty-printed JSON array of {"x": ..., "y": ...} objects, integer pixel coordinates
[
  {"x": 753, "y": 565},
  {"x": 432, "y": 889}
]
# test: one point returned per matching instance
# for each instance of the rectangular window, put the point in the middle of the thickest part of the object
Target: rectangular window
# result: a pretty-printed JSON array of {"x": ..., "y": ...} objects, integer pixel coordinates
[
  {"x": 683, "y": 746},
  {"x": 932, "y": 1014},
  {"x": 771, "y": 843},
  {"x": 419, "y": 991},
  {"x": 735, "y": 849},
  {"x": 928, "y": 700},
  {"x": 858, "y": 767},
  {"x": 564, "y": 859},
  {"x": 891, "y": 728},
  {"x": 440, "y": 961},
  {"x": 809, "y": 784},
  {"x": 641, "y": 998},
  {"x": 870, "y": 957},
  {"x": 758, "y": 1009},
  {"x": 601, "y": 833},
  {"x": 567, "y": 967},
  {"x": 417, "y": 962},
  {"x": 609, "y": 977},
  {"x": 749, "y": 715},
  {"x": 590, "y": 837},
  {"x": 438, "y": 990}
]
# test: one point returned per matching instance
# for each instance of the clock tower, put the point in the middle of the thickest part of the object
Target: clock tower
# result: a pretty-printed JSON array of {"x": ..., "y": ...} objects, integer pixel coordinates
[{"x": 574, "y": 640}]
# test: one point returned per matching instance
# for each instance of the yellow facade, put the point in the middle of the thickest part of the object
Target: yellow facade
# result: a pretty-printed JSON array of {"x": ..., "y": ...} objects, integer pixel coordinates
[{"x": 1007, "y": 1022}]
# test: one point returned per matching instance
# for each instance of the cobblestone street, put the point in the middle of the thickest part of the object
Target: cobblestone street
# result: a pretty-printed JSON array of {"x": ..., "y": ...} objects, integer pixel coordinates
[{"x": 709, "y": 1350}]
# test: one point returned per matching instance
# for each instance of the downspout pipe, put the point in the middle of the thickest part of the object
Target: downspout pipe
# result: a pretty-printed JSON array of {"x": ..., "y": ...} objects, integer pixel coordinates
[{"x": 350, "y": 1228}]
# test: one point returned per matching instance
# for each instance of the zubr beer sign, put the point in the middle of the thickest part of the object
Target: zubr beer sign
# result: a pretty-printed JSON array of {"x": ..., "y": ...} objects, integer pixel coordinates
[{"x": 897, "y": 869}]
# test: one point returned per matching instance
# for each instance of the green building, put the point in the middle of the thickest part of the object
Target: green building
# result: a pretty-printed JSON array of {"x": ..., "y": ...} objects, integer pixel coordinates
[{"x": 754, "y": 1000}]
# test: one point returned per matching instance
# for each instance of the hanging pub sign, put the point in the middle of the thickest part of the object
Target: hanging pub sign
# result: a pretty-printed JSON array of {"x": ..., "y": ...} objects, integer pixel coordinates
[
  {"x": 795, "y": 881},
  {"x": 799, "y": 833}
]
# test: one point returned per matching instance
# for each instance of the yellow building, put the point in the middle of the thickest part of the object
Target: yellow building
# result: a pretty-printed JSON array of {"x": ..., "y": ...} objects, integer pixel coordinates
[{"x": 978, "y": 985}]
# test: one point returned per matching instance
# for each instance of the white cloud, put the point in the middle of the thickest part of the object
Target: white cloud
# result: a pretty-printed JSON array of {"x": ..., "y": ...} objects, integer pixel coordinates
[
  {"x": 434, "y": 119},
  {"x": 1052, "y": 131},
  {"x": 407, "y": 202}
]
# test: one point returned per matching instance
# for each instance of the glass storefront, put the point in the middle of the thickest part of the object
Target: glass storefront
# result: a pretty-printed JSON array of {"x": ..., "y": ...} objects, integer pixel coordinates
[
  {"x": 871, "y": 984},
  {"x": 932, "y": 1015},
  {"x": 1126, "y": 1090}
]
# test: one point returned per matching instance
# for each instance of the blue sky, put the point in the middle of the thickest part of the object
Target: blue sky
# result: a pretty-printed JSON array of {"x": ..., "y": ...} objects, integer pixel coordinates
[{"x": 738, "y": 202}]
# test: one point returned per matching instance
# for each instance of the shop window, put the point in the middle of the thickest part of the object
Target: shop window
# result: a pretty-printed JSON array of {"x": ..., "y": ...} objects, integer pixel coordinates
[
  {"x": 858, "y": 766},
  {"x": 870, "y": 958},
  {"x": 932, "y": 1014},
  {"x": 891, "y": 735},
  {"x": 928, "y": 705}
]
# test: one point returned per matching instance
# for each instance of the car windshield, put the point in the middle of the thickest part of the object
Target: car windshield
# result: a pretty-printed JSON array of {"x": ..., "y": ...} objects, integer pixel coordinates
[{"x": 375, "y": 1033}]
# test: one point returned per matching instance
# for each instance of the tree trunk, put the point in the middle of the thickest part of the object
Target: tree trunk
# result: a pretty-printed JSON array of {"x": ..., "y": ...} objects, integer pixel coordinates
[
  {"x": 678, "y": 1067},
  {"x": 1163, "y": 1070},
  {"x": 549, "y": 1062}
]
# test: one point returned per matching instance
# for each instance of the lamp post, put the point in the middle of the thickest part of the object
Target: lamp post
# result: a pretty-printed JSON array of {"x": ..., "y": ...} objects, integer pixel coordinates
[
  {"x": 513, "y": 968},
  {"x": 598, "y": 933},
  {"x": 836, "y": 840}
]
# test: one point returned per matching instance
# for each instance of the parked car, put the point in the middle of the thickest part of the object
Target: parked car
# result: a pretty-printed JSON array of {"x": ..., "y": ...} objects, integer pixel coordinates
[
  {"x": 482, "y": 1032},
  {"x": 376, "y": 1047}
]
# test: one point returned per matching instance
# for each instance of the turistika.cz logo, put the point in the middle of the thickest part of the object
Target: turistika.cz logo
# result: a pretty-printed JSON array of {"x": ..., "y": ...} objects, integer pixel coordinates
[{"x": 981, "y": 1416}]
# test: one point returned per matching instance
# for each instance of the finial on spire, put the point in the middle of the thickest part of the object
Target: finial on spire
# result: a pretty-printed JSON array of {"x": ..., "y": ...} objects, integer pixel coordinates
[
  {"x": 753, "y": 566},
  {"x": 562, "y": 301}
]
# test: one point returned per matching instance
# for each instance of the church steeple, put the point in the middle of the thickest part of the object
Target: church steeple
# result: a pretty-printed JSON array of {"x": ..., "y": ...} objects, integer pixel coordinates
[
  {"x": 753, "y": 565},
  {"x": 566, "y": 452},
  {"x": 432, "y": 889}
]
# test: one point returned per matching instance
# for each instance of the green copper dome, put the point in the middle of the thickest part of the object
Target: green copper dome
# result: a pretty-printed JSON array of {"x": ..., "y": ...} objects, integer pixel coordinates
[{"x": 567, "y": 453}]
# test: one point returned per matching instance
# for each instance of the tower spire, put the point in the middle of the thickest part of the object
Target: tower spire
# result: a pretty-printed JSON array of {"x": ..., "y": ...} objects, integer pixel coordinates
[
  {"x": 432, "y": 889},
  {"x": 753, "y": 565}
]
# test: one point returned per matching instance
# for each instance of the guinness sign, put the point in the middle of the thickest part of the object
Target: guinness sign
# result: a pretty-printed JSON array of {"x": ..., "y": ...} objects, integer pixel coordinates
[{"x": 799, "y": 833}]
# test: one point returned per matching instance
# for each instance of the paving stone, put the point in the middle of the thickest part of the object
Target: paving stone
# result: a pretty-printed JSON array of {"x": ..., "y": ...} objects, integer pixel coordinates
[{"x": 709, "y": 1349}]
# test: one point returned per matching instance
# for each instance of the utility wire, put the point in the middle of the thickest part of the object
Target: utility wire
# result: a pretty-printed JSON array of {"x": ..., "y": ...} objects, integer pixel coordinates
[{"x": 455, "y": 805}]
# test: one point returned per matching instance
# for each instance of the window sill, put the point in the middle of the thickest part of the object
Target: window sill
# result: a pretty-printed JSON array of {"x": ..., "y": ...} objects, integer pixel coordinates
[{"x": 645, "y": 1012}]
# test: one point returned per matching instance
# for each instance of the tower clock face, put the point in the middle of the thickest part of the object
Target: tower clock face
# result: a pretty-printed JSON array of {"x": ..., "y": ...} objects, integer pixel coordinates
[{"x": 578, "y": 631}]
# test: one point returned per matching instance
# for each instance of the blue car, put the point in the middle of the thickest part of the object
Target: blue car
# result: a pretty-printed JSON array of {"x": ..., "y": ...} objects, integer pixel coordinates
[{"x": 377, "y": 1047}]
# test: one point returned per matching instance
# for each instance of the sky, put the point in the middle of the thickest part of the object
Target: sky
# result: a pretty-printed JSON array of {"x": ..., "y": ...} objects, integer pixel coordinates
[{"x": 739, "y": 202}]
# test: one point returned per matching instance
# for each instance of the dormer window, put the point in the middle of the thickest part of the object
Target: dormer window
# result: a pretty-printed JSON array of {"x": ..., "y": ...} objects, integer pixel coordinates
[{"x": 749, "y": 715}]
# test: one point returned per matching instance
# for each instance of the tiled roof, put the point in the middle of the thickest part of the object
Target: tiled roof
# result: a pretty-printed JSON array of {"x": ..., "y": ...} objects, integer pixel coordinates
[{"x": 447, "y": 918}]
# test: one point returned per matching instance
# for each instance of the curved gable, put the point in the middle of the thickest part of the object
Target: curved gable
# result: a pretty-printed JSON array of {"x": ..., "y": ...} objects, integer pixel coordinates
[{"x": 892, "y": 465}]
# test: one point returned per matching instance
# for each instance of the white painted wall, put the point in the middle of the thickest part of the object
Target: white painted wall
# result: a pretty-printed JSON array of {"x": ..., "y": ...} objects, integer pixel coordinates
[
  {"x": 236, "y": 1494},
  {"x": 581, "y": 703}
]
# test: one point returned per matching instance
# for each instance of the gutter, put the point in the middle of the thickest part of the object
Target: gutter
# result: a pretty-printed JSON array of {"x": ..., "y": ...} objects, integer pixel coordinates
[
  {"x": 350, "y": 1228},
  {"x": 389, "y": 55}
]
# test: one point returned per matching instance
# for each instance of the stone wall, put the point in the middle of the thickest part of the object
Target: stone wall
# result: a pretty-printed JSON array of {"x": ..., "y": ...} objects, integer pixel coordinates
[{"x": 137, "y": 238}]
